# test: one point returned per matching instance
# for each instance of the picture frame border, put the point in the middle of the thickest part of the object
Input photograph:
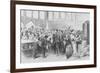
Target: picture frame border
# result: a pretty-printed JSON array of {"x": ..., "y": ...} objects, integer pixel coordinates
[{"x": 13, "y": 35}]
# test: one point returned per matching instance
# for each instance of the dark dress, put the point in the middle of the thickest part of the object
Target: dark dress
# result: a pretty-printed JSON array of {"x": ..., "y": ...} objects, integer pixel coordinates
[{"x": 68, "y": 48}]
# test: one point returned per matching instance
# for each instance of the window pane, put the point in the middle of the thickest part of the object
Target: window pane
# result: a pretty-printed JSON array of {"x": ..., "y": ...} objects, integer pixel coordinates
[
  {"x": 50, "y": 15},
  {"x": 56, "y": 15},
  {"x": 62, "y": 15},
  {"x": 22, "y": 13},
  {"x": 35, "y": 14},
  {"x": 42, "y": 14},
  {"x": 29, "y": 13}
]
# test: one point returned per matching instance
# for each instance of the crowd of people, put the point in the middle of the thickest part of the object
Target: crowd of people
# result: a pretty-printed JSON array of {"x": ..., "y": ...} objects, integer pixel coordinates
[{"x": 58, "y": 42}]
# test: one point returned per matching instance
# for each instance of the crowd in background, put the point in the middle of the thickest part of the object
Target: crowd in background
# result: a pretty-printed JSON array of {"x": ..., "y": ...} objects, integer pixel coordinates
[{"x": 56, "y": 41}]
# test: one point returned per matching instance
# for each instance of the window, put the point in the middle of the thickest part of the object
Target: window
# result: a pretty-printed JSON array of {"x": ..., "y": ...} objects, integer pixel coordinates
[{"x": 35, "y": 14}]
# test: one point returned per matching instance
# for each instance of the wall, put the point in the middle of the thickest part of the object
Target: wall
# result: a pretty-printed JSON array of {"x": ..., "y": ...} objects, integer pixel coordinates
[{"x": 5, "y": 36}]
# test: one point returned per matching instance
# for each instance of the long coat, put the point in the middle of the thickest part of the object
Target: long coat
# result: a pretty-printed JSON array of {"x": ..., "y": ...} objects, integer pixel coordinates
[{"x": 68, "y": 48}]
